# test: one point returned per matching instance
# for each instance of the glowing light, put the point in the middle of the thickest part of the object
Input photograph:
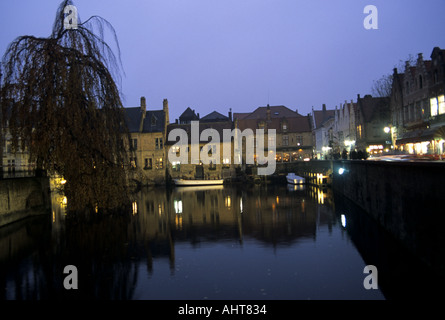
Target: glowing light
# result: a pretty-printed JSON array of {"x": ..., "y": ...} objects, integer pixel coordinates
[
  {"x": 343, "y": 220},
  {"x": 135, "y": 207},
  {"x": 387, "y": 129},
  {"x": 341, "y": 171},
  {"x": 228, "y": 201},
  {"x": 178, "y": 206}
]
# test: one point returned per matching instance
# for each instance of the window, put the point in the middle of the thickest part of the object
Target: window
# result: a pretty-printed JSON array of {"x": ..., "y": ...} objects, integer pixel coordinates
[
  {"x": 148, "y": 164},
  {"x": 176, "y": 166},
  {"x": 359, "y": 131},
  {"x": 153, "y": 120},
  {"x": 159, "y": 143},
  {"x": 159, "y": 163},
  {"x": 441, "y": 104},
  {"x": 433, "y": 106},
  {"x": 284, "y": 126},
  {"x": 299, "y": 140},
  {"x": 420, "y": 82},
  {"x": 285, "y": 140}
]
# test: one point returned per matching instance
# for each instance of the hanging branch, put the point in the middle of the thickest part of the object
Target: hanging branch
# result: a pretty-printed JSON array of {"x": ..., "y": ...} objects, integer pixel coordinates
[{"x": 60, "y": 101}]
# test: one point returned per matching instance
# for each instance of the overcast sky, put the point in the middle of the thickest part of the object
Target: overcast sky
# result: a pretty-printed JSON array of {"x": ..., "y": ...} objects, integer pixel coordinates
[{"x": 242, "y": 54}]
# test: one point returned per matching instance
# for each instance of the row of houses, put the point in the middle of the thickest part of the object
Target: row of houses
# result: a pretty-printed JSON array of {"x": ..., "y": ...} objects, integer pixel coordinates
[{"x": 410, "y": 120}]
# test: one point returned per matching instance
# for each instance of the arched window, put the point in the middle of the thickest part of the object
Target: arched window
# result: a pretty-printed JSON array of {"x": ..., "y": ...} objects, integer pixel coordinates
[{"x": 420, "y": 82}]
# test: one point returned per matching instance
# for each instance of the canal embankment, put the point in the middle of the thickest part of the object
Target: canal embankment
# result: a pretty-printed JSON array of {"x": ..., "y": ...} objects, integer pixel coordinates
[
  {"x": 23, "y": 197},
  {"x": 405, "y": 198}
]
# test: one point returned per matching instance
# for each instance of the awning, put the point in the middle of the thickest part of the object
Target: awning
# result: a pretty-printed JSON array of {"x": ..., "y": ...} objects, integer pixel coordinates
[{"x": 422, "y": 135}]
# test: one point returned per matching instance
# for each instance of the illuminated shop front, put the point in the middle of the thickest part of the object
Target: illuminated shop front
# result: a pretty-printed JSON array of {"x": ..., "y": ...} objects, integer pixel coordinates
[{"x": 427, "y": 141}]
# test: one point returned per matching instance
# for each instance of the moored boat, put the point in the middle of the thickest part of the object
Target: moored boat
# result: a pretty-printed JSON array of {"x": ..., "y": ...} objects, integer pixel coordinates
[{"x": 292, "y": 178}]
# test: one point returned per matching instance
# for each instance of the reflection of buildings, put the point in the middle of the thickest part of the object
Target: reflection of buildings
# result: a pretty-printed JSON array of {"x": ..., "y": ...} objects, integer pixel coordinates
[{"x": 211, "y": 214}]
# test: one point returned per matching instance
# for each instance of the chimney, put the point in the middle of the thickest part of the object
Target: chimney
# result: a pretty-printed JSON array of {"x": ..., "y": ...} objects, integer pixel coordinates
[
  {"x": 419, "y": 56},
  {"x": 268, "y": 112},
  {"x": 230, "y": 114},
  {"x": 324, "y": 107},
  {"x": 165, "y": 108},
  {"x": 143, "y": 106},
  {"x": 296, "y": 110},
  {"x": 358, "y": 97}
]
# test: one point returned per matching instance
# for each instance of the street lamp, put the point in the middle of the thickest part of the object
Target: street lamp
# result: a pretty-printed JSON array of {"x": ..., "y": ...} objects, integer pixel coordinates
[{"x": 387, "y": 129}]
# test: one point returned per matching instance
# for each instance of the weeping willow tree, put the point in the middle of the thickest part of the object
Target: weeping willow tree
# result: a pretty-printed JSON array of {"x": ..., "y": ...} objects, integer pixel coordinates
[{"x": 60, "y": 102}]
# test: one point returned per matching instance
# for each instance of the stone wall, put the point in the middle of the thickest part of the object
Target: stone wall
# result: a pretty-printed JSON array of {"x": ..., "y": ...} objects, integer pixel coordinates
[
  {"x": 23, "y": 197},
  {"x": 406, "y": 198}
]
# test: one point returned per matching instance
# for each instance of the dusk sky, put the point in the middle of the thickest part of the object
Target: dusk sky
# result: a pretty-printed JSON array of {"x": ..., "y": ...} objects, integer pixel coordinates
[{"x": 242, "y": 54}]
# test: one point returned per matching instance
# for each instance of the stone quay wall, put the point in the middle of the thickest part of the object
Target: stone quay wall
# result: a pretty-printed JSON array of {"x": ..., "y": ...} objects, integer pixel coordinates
[
  {"x": 23, "y": 197},
  {"x": 405, "y": 198}
]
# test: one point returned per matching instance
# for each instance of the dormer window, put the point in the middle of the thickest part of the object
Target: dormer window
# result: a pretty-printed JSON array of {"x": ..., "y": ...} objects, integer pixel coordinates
[
  {"x": 153, "y": 120},
  {"x": 284, "y": 126}
]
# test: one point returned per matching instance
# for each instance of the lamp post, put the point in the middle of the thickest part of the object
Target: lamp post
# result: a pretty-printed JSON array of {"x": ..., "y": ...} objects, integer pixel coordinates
[{"x": 389, "y": 130}]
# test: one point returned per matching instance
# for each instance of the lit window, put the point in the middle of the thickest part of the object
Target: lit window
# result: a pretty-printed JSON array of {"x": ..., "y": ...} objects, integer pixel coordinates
[
  {"x": 441, "y": 104},
  {"x": 433, "y": 104},
  {"x": 159, "y": 163}
]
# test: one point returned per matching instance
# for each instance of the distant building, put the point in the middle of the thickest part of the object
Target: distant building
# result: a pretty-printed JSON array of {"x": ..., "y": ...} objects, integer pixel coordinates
[
  {"x": 372, "y": 116},
  {"x": 219, "y": 167},
  {"x": 344, "y": 127},
  {"x": 147, "y": 130},
  {"x": 293, "y": 131},
  {"x": 13, "y": 162},
  {"x": 322, "y": 123},
  {"x": 418, "y": 105}
]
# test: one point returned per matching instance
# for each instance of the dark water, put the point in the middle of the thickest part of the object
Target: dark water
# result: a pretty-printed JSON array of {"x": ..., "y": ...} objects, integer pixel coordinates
[{"x": 274, "y": 242}]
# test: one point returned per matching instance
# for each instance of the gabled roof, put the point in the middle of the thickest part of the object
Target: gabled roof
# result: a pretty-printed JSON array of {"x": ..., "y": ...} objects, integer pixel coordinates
[
  {"x": 188, "y": 115},
  {"x": 373, "y": 106},
  {"x": 214, "y": 116},
  {"x": 133, "y": 118},
  {"x": 275, "y": 112},
  {"x": 321, "y": 116},
  {"x": 239, "y": 115},
  {"x": 153, "y": 122}
]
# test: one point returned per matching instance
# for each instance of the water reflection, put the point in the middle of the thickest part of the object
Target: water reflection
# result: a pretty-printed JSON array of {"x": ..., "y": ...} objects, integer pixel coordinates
[{"x": 244, "y": 242}]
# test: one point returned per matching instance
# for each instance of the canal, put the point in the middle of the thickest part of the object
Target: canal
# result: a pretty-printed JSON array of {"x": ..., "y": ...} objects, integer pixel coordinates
[{"x": 232, "y": 242}]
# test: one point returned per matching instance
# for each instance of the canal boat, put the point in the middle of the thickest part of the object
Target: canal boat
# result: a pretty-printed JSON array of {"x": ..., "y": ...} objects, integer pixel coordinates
[
  {"x": 197, "y": 182},
  {"x": 292, "y": 178}
]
